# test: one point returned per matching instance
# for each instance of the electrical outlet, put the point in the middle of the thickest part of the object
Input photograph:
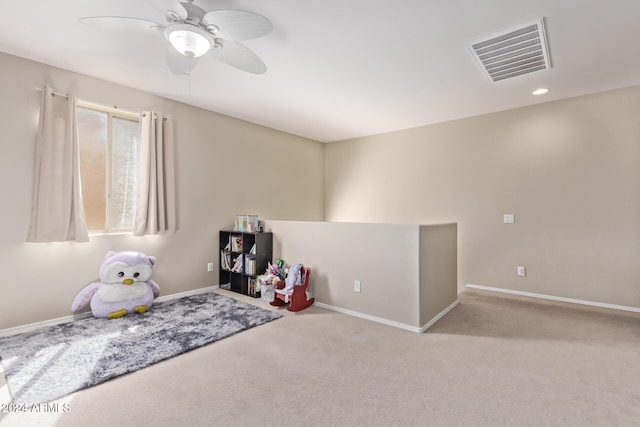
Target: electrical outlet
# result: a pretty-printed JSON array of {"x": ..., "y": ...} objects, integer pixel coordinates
[
  {"x": 210, "y": 266},
  {"x": 509, "y": 219},
  {"x": 521, "y": 271},
  {"x": 356, "y": 286}
]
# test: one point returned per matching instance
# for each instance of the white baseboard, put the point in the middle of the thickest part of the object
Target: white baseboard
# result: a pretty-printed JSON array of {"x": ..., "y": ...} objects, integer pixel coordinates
[
  {"x": 439, "y": 316},
  {"x": 554, "y": 298},
  {"x": 387, "y": 321},
  {"x": 368, "y": 317},
  {"x": 31, "y": 326}
]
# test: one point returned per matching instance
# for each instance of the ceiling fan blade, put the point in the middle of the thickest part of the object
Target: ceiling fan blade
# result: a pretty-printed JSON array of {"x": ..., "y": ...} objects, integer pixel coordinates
[
  {"x": 237, "y": 24},
  {"x": 163, "y": 6},
  {"x": 238, "y": 56},
  {"x": 122, "y": 23},
  {"x": 179, "y": 63}
]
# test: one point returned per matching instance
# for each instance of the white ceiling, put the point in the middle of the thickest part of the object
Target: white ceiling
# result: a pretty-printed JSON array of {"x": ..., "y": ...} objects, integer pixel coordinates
[{"x": 339, "y": 69}]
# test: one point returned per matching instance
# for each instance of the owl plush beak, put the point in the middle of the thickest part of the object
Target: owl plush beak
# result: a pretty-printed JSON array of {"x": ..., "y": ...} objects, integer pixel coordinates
[{"x": 127, "y": 282}]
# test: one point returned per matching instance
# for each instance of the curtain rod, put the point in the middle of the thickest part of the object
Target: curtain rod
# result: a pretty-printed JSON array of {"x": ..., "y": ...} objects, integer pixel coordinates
[{"x": 39, "y": 89}]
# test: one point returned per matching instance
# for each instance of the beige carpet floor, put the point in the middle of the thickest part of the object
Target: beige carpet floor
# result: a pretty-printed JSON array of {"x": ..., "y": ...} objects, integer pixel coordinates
[{"x": 495, "y": 360}]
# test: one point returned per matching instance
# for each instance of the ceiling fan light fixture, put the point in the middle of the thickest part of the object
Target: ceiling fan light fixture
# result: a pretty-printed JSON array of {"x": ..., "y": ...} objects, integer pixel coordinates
[{"x": 189, "y": 40}]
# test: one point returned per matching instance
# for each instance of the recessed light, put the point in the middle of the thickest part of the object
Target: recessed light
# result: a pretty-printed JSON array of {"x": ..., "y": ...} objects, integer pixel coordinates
[{"x": 540, "y": 91}]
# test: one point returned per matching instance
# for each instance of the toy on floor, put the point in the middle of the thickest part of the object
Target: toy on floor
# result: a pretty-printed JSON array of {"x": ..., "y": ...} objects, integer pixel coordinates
[
  {"x": 268, "y": 281},
  {"x": 293, "y": 290},
  {"x": 125, "y": 286}
]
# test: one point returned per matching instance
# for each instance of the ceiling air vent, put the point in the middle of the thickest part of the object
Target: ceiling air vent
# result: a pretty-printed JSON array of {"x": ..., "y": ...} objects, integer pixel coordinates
[{"x": 515, "y": 53}]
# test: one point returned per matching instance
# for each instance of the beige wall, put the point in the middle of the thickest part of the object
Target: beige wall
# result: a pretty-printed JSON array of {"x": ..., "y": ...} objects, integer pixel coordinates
[
  {"x": 224, "y": 167},
  {"x": 407, "y": 272},
  {"x": 384, "y": 257},
  {"x": 438, "y": 269},
  {"x": 568, "y": 170}
]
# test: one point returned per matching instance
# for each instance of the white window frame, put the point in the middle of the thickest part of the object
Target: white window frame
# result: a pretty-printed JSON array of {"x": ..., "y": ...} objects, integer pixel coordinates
[{"x": 111, "y": 113}]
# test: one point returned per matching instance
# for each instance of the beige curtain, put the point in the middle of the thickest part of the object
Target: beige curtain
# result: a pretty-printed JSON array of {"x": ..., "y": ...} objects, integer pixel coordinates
[
  {"x": 57, "y": 212},
  {"x": 155, "y": 211}
]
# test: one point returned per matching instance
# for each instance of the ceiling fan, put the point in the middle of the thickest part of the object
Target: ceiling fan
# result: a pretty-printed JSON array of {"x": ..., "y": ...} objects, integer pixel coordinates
[{"x": 193, "y": 31}]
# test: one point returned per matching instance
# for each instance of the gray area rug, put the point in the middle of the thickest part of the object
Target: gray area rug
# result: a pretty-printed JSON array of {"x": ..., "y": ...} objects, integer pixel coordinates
[{"x": 51, "y": 362}]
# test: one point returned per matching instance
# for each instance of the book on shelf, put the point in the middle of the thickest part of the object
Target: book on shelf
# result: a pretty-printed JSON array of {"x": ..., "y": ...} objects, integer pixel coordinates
[
  {"x": 237, "y": 264},
  {"x": 225, "y": 260},
  {"x": 253, "y": 249},
  {"x": 252, "y": 287},
  {"x": 250, "y": 265},
  {"x": 236, "y": 243}
]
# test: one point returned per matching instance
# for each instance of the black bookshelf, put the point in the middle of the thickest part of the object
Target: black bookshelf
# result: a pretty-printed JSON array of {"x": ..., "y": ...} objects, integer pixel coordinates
[{"x": 243, "y": 257}]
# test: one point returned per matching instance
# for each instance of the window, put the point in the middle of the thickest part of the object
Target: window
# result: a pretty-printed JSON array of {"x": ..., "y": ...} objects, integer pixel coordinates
[{"x": 109, "y": 151}]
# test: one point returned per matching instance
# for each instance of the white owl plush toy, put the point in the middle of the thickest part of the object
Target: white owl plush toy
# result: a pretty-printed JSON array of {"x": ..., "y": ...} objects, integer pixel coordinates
[{"x": 125, "y": 286}]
